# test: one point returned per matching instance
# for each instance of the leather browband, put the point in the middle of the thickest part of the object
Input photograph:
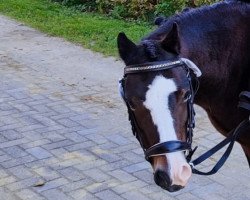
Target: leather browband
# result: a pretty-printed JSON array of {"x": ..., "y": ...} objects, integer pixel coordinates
[{"x": 151, "y": 66}]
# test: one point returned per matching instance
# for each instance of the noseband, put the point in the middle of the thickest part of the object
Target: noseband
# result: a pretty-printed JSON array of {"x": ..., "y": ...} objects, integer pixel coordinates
[{"x": 169, "y": 146}]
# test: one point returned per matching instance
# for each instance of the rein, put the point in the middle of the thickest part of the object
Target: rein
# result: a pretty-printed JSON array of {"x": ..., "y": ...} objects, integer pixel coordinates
[{"x": 176, "y": 145}]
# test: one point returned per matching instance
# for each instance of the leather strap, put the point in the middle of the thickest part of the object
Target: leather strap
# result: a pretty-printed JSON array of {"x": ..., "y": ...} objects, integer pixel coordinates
[
  {"x": 244, "y": 100},
  {"x": 151, "y": 66},
  {"x": 245, "y": 95},
  {"x": 229, "y": 140},
  {"x": 244, "y": 105},
  {"x": 166, "y": 147}
]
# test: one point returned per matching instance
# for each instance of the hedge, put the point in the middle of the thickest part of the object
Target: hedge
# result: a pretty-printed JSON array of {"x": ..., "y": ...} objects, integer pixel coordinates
[{"x": 134, "y": 9}]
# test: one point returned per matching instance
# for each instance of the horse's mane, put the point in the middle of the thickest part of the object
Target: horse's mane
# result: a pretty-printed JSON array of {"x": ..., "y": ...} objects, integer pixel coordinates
[
  {"x": 248, "y": 1},
  {"x": 150, "y": 48},
  {"x": 189, "y": 15}
]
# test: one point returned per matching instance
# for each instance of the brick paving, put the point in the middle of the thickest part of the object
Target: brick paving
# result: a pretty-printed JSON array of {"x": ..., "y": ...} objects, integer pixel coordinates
[{"x": 64, "y": 132}]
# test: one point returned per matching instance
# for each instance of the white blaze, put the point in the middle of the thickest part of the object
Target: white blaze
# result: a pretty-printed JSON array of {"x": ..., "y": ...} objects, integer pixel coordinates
[{"x": 157, "y": 101}]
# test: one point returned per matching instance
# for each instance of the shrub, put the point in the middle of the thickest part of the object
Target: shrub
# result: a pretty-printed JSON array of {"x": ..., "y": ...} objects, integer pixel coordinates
[
  {"x": 169, "y": 7},
  {"x": 82, "y": 5},
  {"x": 134, "y": 9}
]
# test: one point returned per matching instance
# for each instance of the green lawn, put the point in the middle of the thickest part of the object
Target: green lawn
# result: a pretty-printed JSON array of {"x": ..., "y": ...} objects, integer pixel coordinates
[{"x": 91, "y": 30}]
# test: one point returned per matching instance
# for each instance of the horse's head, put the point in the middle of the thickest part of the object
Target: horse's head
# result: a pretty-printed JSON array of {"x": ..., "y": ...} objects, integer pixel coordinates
[{"x": 157, "y": 103}]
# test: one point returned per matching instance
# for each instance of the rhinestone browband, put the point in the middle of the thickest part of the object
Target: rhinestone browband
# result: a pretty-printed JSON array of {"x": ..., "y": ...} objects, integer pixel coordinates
[{"x": 152, "y": 66}]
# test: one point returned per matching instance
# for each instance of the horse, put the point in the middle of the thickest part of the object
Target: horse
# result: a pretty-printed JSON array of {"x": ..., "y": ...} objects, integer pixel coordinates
[{"x": 198, "y": 56}]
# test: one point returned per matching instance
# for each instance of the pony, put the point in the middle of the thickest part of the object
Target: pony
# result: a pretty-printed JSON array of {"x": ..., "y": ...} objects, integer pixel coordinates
[{"x": 214, "y": 43}]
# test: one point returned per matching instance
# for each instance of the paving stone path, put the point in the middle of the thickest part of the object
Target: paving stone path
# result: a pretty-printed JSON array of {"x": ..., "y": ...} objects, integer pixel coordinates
[{"x": 64, "y": 132}]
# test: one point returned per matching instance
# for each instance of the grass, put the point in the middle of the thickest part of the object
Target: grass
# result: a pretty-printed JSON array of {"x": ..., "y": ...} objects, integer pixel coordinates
[{"x": 93, "y": 31}]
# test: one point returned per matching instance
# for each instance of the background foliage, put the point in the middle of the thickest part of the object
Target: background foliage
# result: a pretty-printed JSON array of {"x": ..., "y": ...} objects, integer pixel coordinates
[
  {"x": 134, "y": 9},
  {"x": 69, "y": 19}
]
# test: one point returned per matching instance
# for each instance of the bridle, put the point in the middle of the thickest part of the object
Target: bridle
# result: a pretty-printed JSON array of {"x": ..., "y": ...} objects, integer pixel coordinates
[
  {"x": 176, "y": 145},
  {"x": 169, "y": 146}
]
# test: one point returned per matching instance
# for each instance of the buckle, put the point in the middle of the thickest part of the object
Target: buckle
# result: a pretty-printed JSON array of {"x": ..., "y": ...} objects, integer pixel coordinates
[{"x": 191, "y": 165}]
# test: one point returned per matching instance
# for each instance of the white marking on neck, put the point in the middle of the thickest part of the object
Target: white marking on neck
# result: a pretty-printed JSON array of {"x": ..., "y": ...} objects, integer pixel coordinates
[{"x": 157, "y": 98}]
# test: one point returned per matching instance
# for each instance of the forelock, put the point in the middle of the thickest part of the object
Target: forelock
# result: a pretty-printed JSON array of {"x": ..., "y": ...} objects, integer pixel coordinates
[{"x": 151, "y": 48}]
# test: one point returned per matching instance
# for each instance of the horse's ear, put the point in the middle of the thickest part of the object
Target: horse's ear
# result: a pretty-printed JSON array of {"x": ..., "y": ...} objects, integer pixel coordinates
[
  {"x": 125, "y": 46},
  {"x": 171, "y": 42}
]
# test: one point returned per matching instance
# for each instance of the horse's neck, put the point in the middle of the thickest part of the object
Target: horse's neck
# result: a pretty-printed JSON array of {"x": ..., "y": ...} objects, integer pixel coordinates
[
  {"x": 220, "y": 83},
  {"x": 218, "y": 95},
  {"x": 221, "y": 56},
  {"x": 218, "y": 101}
]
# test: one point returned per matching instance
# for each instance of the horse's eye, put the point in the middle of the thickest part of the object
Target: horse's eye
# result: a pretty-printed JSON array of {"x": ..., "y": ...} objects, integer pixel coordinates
[
  {"x": 131, "y": 105},
  {"x": 135, "y": 102},
  {"x": 187, "y": 96}
]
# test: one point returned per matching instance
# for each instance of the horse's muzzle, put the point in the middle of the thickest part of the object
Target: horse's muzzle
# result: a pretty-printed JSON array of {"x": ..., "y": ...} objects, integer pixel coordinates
[{"x": 162, "y": 179}]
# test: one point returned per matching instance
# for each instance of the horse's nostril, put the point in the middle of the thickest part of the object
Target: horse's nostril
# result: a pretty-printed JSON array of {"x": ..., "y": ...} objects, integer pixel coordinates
[
  {"x": 162, "y": 179},
  {"x": 185, "y": 172}
]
